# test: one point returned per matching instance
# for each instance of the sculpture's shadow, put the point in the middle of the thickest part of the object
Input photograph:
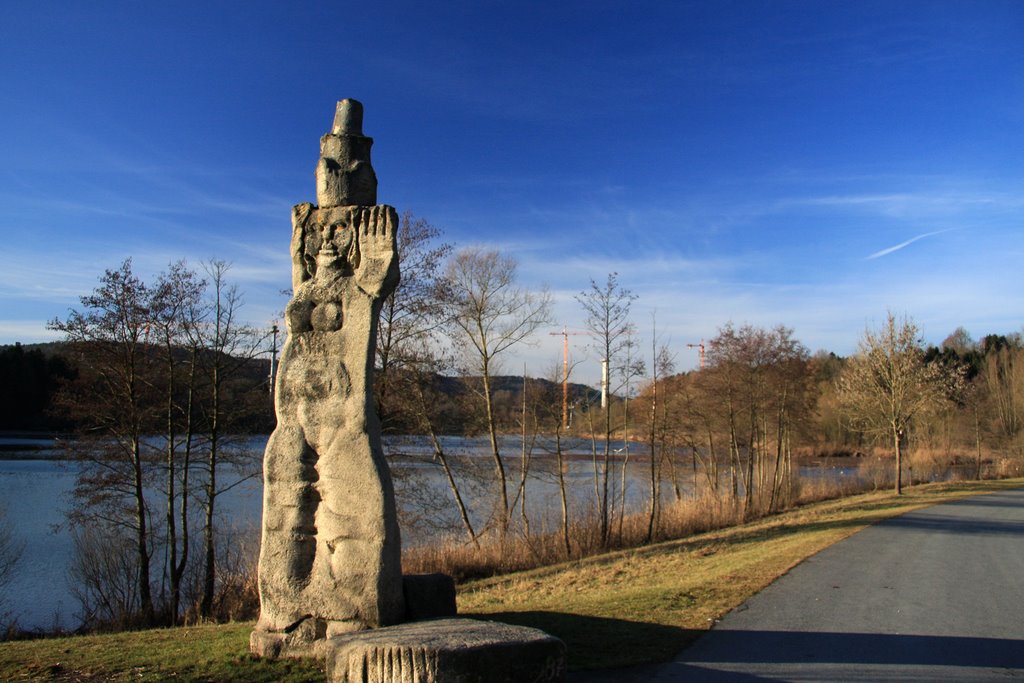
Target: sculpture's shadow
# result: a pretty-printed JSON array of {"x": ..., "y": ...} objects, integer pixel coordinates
[{"x": 587, "y": 639}]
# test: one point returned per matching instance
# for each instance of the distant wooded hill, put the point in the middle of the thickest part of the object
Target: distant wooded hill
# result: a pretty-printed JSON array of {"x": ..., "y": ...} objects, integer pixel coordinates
[{"x": 31, "y": 376}]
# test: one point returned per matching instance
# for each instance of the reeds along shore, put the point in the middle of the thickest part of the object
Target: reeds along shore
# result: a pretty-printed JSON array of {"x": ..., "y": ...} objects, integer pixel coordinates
[{"x": 682, "y": 518}]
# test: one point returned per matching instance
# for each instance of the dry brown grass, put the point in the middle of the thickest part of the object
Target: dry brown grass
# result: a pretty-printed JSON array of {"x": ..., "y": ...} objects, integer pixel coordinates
[{"x": 681, "y": 519}]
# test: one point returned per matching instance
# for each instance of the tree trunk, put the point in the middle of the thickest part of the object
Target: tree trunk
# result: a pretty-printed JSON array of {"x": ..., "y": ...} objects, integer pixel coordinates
[
  {"x": 524, "y": 464},
  {"x": 561, "y": 491},
  {"x": 605, "y": 531},
  {"x": 654, "y": 470},
  {"x": 977, "y": 441},
  {"x": 178, "y": 570},
  {"x": 172, "y": 536},
  {"x": 142, "y": 535},
  {"x": 499, "y": 466},
  {"x": 463, "y": 512},
  {"x": 443, "y": 458},
  {"x": 210, "y": 561},
  {"x": 897, "y": 439}
]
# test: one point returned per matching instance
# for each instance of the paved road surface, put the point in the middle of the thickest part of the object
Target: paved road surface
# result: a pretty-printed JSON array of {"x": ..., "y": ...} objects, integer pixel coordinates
[{"x": 933, "y": 595}]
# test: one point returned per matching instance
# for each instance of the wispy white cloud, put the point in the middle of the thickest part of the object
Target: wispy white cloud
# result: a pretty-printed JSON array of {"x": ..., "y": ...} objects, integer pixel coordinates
[
  {"x": 26, "y": 332},
  {"x": 901, "y": 245}
]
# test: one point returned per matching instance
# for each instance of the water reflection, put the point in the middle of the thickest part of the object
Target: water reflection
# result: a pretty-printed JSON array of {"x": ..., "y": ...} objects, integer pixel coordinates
[{"x": 35, "y": 485}]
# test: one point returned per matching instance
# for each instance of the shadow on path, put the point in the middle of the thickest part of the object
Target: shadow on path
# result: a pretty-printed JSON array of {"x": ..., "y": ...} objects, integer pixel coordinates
[
  {"x": 950, "y": 524},
  {"x": 810, "y": 655},
  {"x": 587, "y": 639},
  {"x": 861, "y": 648}
]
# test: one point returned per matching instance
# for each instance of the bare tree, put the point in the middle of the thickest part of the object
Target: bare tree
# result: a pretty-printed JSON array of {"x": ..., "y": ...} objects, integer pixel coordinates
[
  {"x": 887, "y": 383},
  {"x": 103, "y": 577},
  {"x": 175, "y": 304},
  {"x": 607, "y": 310},
  {"x": 490, "y": 313},
  {"x": 410, "y": 354},
  {"x": 631, "y": 368},
  {"x": 561, "y": 463},
  {"x": 10, "y": 553},
  {"x": 959, "y": 341},
  {"x": 421, "y": 408},
  {"x": 752, "y": 389},
  {"x": 412, "y": 313},
  {"x": 662, "y": 364},
  {"x": 227, "y": 345},
  {"x": 1002, "y": 382},
  {"x": 112, "y": 399}
]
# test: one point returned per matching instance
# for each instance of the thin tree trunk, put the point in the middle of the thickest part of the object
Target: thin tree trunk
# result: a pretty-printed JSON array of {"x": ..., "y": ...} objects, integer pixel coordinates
[
  {"x": 443, "y": 459},
  {"x": 499, "y": 466},
  {"x": 142, "y": 534},
  {"x": 593, "y": 459},
  {"x": 172, "y": 536},
  {"x": 899, "y": 460},
  {"x": 977, "y": 441},
  {"x": 778, "y": 451},
  {"x": 693, "y": 466},
  {"x": 622, "y": 485},
  {"x": 524, "y": 465},
  {"x": 210, "y": 561},
  {"x": 654, "y": 471},
  {"x": 463, "y": 512},
  {"x": 604, "y": 473},
  {"x": 734, "y": 454},
  {"x": 561, "y": 491},
  {"x": 178, "y": 571}
]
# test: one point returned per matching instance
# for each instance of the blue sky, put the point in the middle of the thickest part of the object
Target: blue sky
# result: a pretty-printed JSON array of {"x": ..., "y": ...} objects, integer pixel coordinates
[{"x": 813, "y": 164}]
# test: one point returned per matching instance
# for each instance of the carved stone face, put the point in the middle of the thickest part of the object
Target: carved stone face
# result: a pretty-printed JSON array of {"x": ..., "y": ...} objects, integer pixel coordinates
[{"x": 333, "y": 251}]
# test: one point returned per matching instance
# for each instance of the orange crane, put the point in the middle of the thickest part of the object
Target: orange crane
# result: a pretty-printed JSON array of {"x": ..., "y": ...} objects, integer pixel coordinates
[
  {"x": 701, "y": 347},
  {"x": 565, "y": 372}
]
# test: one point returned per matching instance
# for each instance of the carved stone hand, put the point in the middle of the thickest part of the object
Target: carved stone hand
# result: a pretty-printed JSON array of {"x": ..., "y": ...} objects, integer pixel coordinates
[{"x": 376, "y": 267}]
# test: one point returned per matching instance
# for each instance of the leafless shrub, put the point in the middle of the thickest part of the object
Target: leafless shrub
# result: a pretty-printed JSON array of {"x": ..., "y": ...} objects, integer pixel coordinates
[
  {"x": 236, "y": 593},
  {"x": 104, "y": 578},
  {"x": 10, "y": 553}
]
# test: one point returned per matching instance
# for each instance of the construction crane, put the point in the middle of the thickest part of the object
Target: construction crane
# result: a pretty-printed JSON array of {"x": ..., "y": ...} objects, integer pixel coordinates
[
  {"x": 565, "y": 373},
  {"x": 701, "y": 347}
]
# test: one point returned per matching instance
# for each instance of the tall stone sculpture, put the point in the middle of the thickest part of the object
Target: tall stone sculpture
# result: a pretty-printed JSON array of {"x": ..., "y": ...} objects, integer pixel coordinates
[{"x": 330, "y": 556}]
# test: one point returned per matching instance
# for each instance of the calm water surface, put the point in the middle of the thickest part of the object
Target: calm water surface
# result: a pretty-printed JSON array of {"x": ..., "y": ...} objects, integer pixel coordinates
[{"x": 36, "y": 495}]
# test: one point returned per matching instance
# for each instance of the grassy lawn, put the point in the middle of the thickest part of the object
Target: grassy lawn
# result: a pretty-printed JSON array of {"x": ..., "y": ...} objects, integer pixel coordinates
[
  {"x": 620, "y": 609},
  {"x": 201, "y": 653}
]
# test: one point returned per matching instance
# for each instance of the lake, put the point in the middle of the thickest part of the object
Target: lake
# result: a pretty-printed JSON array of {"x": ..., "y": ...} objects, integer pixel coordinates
[{"x": 35, "y": 487}]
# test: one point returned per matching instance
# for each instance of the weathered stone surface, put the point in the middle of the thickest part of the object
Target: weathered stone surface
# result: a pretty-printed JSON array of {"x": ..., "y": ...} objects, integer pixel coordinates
[
  {"x": 429, "y": 596},
  {"x": 446, "y": 651},
  {"x": 330, "y": 556},
  {"x": 344, "y": 174}
]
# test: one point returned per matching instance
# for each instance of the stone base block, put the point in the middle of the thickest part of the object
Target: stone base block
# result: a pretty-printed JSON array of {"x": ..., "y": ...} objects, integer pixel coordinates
[
  {"x": 446, "y": 651},
  {"x": 305, "y": 640},
  {"x": 268, "y": 644}
]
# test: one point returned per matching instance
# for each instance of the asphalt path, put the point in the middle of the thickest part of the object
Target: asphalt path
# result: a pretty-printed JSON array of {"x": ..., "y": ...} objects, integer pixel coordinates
[{"x": 932, "y": 595}]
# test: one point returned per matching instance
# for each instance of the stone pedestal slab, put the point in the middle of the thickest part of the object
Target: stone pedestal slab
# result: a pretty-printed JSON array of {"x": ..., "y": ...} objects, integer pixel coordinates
[{"x": 446, "y": 651}]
